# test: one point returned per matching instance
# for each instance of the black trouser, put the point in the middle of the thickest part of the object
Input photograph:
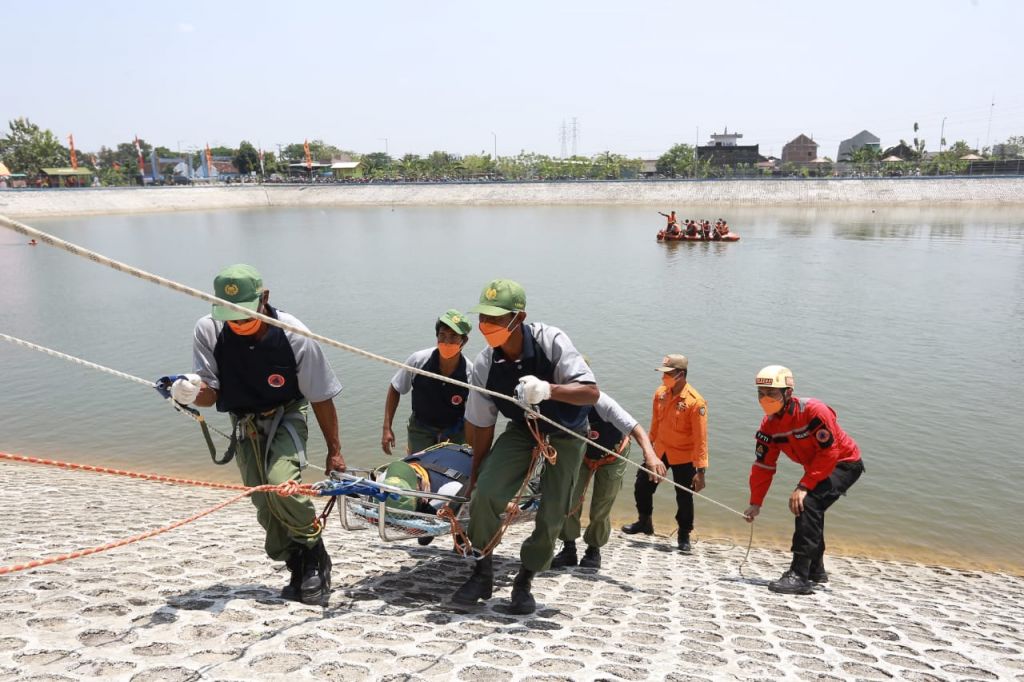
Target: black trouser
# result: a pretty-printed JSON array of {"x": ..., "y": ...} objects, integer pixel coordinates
[
  {"x": 809, "y": 535},
  {"x": 643, "y": 493}
]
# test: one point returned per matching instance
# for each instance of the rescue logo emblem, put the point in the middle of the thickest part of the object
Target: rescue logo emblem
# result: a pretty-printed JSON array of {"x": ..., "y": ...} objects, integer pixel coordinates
[
  {"x": 491, "y": 294},
  {"x": 275, "y": 380},
  {"x": 231, "y": 289},
  {"x": 456, "y": 400},
  {"x": 593, "y": 435}
]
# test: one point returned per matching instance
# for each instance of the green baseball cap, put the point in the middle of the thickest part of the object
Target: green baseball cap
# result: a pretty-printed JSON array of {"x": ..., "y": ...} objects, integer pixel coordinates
[
  {"x": 240, "y": 284},
  {"x": 500, "y": 297},
  {"x": 457, "y": 321},
  {"x": 401, "y": 475}
]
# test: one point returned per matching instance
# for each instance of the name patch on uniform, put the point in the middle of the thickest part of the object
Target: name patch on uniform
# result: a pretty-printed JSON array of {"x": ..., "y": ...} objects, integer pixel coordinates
[
  {"x": 703, "y": 411},
  {"x": 763, "y": 437},
  {"x": 275, "y": 380},
  {"x": 456, "y": 400}
]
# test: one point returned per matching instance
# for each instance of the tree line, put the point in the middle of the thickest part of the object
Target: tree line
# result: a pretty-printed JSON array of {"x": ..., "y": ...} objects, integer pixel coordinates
[{"x": 26, "y": 148}]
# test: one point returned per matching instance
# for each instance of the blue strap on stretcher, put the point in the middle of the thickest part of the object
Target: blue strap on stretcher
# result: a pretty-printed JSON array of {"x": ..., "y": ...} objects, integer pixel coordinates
[{"x": 360, "y": 487}]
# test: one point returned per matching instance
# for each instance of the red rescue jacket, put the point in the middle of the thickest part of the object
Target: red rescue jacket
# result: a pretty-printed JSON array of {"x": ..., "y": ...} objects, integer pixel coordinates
[{"x": 808, "y": 433}]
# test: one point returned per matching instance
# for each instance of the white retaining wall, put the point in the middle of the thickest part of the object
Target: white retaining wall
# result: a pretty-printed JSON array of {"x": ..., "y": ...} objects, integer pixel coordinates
[{"x": 797, "y": 192}]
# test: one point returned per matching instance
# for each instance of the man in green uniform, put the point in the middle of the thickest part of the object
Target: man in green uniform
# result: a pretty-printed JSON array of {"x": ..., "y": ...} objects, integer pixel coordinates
[
  {"x": 610, "y": 427},
  {"x": 539, "y": 365},
  {"x": 266, "y": 378},
  {"x": 438, "y": 408}
]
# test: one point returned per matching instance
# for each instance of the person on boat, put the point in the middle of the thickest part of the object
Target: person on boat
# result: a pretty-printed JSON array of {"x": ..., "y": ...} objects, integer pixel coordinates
[
  {"x": 610, "y": 427},
  {"x": 672, "y": 223},
  {"x": 266, "y": 378},
  {"x": 807, "y": 431},
  {"x": 438, "y": 407},
  {"x": 723, "y": 228},
  {"x": 716, "y": 235},
  {"x": 679, "y": 431},
  {"x": 691, "y": 228},
  {"x": 706, "y": 230},
  {"x": 538, "y": 365}
]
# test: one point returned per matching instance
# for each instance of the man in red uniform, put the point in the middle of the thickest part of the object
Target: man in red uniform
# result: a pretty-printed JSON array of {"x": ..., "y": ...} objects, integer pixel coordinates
[{"x": 806, "y": 431}]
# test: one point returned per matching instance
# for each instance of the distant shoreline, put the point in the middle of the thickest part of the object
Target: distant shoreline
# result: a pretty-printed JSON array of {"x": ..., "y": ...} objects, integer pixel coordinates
[{"x": 980, "y": 191}]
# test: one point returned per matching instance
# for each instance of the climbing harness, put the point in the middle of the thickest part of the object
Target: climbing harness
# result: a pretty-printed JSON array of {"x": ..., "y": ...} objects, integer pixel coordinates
[{"x": 592, "y": 466}]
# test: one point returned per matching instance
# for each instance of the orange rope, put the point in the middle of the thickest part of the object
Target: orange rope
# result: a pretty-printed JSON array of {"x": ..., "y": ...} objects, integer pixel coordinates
[
  {"x": 120, "y": 472},
  {"x": 462, "y": 541},
  {"x": 286, "y": 489}
]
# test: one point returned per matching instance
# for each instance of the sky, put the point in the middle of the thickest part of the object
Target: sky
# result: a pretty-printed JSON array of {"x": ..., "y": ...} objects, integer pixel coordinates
[{"x": 638, "y": 76}]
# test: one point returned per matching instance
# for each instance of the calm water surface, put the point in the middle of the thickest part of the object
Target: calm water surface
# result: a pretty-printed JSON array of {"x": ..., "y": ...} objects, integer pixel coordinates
[{"x": 909, "y": 322}]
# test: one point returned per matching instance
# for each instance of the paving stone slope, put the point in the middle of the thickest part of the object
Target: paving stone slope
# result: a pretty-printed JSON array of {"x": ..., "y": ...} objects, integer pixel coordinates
[{"x": 201, "y": 603}]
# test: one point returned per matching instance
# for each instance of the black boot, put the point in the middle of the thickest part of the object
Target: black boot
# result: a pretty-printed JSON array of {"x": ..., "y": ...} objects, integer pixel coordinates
[
  {"x": 794, "y": 581},
  {"x": 567, "y": 557},
  {"x": 480, "y": 585},
  {"x": 425, "y": 540},
  {"x": 817, "y": 574},
  {"x": 644, "y": 526},
  {"x": 522, "y": 601},
  {"x": 683, "y": 541},
  {"x": 591, "y": 558},
  {"x": 316, "y": 574},
  {"x": 294, "y": 564}
]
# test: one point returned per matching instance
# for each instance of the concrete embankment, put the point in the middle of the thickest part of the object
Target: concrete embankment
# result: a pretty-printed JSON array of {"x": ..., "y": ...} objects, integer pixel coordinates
[
  {"x": 795, "y": 192},
  {"x": 201, "y": 603}
]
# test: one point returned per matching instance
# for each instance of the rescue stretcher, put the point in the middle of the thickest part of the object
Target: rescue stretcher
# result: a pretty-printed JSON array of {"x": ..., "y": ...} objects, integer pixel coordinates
[{"x": 374, "y": 507}]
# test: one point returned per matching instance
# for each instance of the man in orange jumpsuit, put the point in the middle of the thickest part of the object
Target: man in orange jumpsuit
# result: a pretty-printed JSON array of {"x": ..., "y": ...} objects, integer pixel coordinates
[
  {"x": 806, "y": 431},
  {"x": 679, "y": 432}
]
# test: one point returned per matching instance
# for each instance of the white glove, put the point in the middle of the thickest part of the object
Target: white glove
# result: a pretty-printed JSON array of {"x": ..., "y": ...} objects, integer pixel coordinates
[
  {"x": 185, "y": 389},
  {"x": 532, "y": 391}
]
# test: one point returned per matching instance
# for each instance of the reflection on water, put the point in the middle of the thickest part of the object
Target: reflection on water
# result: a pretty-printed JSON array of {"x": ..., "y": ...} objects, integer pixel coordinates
[{"x": 907, "y": 320}]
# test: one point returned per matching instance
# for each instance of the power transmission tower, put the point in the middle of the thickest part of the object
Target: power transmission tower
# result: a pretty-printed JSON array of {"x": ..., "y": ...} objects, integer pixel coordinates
[
  {"x": 575, "y": 134},
  {"x": 563, "y": 137}
]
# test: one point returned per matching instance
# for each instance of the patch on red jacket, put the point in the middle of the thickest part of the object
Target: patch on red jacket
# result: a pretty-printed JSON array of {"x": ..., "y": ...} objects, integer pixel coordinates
[
  {"x": 456, "y": 399},
  {"x": 824, "y": 437},
  {"x": 275, "y": 380},
  {"x": 761, "y": 450}
]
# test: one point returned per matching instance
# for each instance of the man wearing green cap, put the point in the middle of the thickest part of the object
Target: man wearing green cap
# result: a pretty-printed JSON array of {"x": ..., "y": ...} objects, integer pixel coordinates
[
  {"x": 266, "y": 378},
  {"x": 438, "y": 408},
  {"x": 539, "y": 366}
]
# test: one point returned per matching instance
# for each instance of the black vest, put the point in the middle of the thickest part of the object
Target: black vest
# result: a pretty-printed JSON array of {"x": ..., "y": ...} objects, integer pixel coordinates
[
  {"x": 504, "y": 377},
  {"x": 255, "y": 376},
  {"x": 438, "y": 404},
  {"x": 604, "y": 434}
]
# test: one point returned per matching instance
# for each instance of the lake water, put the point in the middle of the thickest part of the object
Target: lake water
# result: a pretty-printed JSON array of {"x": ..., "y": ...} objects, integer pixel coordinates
[{"x": 909, "y": 322}]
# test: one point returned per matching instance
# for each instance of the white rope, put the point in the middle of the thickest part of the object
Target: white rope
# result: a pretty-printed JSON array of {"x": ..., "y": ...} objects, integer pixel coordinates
[
  {"x": 113, "y": 372},
  {"x": 47, "y": 238}
]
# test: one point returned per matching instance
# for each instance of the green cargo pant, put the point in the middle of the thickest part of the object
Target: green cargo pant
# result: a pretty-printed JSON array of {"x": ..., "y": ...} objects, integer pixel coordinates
[
  {"x": 420, "y": 437},
  {"x": 499, "y": 479},
  {"x": 288, "y": 521},
  {"x": 604, "y": 487}
]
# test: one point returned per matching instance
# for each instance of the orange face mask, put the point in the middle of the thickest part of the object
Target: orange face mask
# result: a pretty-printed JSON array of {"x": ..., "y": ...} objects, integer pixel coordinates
[
  {"x": 448, "y": 350},
  {"x": 245, "y": 328},
  {"x": 770, "y": 405},
  {"x": 495, "y": 334}
]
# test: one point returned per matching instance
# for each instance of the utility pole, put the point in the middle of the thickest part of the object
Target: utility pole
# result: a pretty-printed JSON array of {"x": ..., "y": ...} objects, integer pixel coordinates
[
  {"x": 988, "y": 135},
  {"x": 942, "y": 134},
  {"x": 495, "y": 145},
  {"x": 575, "y": 135}
]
